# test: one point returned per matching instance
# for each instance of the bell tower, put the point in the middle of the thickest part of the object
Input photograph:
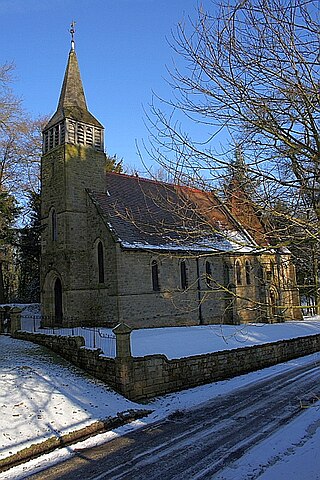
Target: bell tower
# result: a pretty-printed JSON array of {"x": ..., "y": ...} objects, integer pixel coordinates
[{"x": 73, "y": 161}]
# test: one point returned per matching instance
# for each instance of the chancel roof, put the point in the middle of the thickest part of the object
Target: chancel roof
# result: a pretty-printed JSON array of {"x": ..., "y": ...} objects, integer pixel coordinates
[{"x": 147, "y": 214}]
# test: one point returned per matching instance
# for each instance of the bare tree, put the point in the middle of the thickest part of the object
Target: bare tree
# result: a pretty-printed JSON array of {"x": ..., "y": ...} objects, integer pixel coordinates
[
  {"x": 247, "y": 74},
  {"x": 10, "y": 105},
  {"x": 20, "y": 141},
  {"x": 20, "y": 152}
]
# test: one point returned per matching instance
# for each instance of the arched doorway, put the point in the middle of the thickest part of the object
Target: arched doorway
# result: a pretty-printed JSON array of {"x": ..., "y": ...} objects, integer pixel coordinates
[{"x": 58, "y": 312}]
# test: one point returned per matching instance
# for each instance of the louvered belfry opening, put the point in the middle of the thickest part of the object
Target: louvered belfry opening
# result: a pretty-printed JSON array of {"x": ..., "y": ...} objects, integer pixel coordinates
[{"x": 73, "y": 123}]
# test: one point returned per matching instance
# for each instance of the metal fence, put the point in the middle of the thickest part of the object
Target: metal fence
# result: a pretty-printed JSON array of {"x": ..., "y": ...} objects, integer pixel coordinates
[{"x": 94, "y": 337}]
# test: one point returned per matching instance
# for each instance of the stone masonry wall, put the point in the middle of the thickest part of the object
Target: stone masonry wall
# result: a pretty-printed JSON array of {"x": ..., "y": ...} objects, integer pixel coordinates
[
  {"x": 73, "y": 350},
  {"x": 139, "y": 378},
  {"x": 141, "y": 307},
  {"x": 156, "y": 375},
  {"x": 67, "y": 171}
]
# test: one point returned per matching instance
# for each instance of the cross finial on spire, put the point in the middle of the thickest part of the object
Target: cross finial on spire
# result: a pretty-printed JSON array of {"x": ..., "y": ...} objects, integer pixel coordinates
[{"x": 72, "y": 31}]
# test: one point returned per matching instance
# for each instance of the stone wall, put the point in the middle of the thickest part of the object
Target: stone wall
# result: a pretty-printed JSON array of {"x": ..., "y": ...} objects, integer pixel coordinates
[
  {"x": 156, "y": 375},
  {"x": 103, "y": 304},
  {"x": 139, "y": 378},
  {"x": 73, "y": 350}
]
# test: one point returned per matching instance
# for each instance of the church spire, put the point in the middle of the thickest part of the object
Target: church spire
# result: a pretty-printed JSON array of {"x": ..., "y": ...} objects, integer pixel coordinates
[
  {"x": 72, "y": 93},
  {"x": 72, "y": 122}
]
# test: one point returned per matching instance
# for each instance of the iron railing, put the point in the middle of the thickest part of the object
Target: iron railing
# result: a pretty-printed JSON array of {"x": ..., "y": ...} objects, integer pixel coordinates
[{"x": 94, "y": 336}]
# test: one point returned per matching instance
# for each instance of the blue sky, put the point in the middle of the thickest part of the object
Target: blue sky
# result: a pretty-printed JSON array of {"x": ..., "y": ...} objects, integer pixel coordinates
[{"x": 122, "y": 50}]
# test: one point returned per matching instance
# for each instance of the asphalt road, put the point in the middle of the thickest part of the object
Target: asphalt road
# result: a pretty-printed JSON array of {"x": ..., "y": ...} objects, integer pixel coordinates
[{"x": 198, "y": 443}]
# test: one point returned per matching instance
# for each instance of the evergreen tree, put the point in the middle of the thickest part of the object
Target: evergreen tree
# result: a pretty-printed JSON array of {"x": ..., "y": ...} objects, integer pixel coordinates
[
  {"x": 8, "y": 213},
  {"x": 114, "y": 164},
  {"x": 28, "y": 253}
]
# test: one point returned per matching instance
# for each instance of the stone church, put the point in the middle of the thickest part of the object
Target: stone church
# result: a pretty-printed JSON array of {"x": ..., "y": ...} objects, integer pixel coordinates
[{"x": 117, "y": 247}]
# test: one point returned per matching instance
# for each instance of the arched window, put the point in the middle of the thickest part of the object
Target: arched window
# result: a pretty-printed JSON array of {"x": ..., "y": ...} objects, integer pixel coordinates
[
  {"x": 183, "y": 274},
  {"x": 155, "y": 276},
  {"x": 248, "y": 272},
  {"x": 97, "y": 138},
  {"x": 238, "y": 273},
  {"x": 89, "y": 136},
  {"x": 100, "y": 263},
  {"x": 54, "y": 225},
  {"x": 46, "y": 142},
  {"x": 62, "y": 132},
  {"x": 80, "y": 133},
  {"x": 208, "y": 274},
  {"x": 72, "y": 132},
  {"x": 50, "y": 138},
  {"x": 56, "y": 136}
]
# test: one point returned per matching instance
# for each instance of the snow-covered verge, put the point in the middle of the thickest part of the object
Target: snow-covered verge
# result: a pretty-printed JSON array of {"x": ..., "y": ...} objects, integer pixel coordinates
[
  {"x": 290, "y": 453},
  {"x": 42, "y": 396}
]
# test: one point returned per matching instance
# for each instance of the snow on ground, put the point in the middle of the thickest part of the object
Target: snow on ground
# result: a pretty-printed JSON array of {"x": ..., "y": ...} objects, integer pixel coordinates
[
  {"x": 292, "y": 452},
  {"x": 42, "y": 395},
  {"x": 178, "y": 342}
]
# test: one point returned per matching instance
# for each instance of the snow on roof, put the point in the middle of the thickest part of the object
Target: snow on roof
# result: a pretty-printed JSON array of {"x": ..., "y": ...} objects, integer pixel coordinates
[
  {"x": 146, "y": 214},
  {"x": 234, "y": 242}
]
